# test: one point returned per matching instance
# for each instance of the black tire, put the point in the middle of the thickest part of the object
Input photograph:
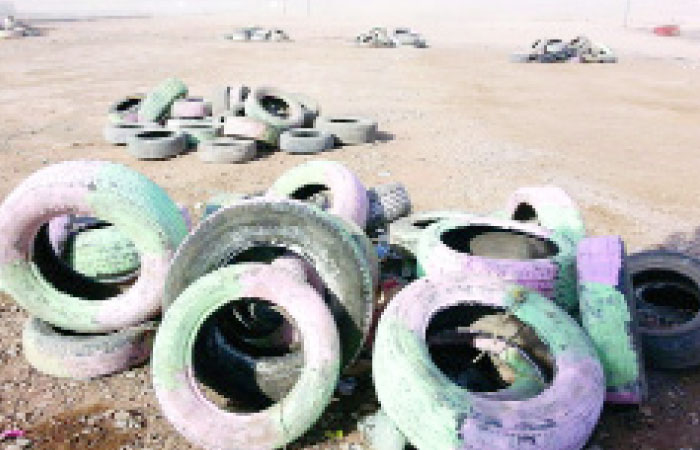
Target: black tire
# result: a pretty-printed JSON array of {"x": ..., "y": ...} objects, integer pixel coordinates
[
  {"x": 227, "y": 150},
  {"x": 304, "y": 140},
  {"x": 81, "y": 356},
  {"x": 341, "y": 262},
  {"x": 349, "y": 130},
  {"x": 157, "y": 144},
  {"x": 388, "y": 203},
  {"x": 667, "y": 292}
]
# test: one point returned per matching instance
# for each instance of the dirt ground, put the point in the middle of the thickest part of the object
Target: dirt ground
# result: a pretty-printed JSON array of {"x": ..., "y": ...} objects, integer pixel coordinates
[{"x": 461, "y": 128}]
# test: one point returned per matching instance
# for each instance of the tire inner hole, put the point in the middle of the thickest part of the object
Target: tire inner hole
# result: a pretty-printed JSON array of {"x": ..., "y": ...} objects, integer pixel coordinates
[
  {"x": 318, "y": 194},
  {"x": 665, "y": 299},
  {"x": 275, "y": 106},
  {"x": 128, "y": 104},
  {"x": 525, "y": 213},
  {"x": 155, "y": 134},
  {"x": 496, "y": 242}
]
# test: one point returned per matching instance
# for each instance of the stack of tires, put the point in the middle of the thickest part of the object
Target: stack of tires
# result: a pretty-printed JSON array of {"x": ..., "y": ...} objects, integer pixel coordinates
[
  {"x": 231, "y": 127},
  {"x": 98, "y": 322}
]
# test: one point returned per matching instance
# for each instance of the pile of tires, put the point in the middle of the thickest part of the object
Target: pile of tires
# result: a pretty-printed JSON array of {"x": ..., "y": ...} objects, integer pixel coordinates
[
  {"x": 378, "y": 37},
  {"x": 232, "y": 126},
  {"x": 10, "y": 28},
  {"x": 257, "y": 34},
  {"x": 579, "y": 49}
]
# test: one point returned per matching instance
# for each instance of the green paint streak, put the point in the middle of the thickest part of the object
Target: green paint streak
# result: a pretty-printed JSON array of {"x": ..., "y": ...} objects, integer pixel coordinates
[{"x": 606, "y": 317}]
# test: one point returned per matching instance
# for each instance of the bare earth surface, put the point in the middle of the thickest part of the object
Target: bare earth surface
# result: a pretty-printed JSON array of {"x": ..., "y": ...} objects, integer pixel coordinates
[{"x": 462, "y": 128}]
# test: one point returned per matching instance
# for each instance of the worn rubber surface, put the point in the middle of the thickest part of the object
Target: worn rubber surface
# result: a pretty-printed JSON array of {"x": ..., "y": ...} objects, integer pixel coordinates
[
  {"x": 114, "y": 193},
  {"x": 522, "y": 253},
  {"x": 608, "y": 315},
  {"x": 348, "y": 195},
  {"x": 125, "y": 110},
  {"x": 183, "y": 404},
  {"x": 349, "y": 130},
  {"x": 404, "y": 233},
  {"x": 670, "y": 330},
  {"x": 122, "y": 133},
  {"x": 104, "y": 254},
  {"x": 157, "y": 103},
  {"x": 227, "y": 150},
  {"x": 388, "y": 203},
  {"x": 62, "y": 354},
  {"x": 435, "y": 413},
  {"x": 196, "y": 131},
  {"x": 305, "y": 140},
  {"x": 328, "y": 246},
  {"x": 191, "y": 108},
  {"x": 248, "y": 127},
  {"x": 157, "y": 144},
  {"x": 255, "y": 107}
]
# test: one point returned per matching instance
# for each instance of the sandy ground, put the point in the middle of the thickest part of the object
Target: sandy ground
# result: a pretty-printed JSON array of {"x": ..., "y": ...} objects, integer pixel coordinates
[{"x": 461, "y": 128}]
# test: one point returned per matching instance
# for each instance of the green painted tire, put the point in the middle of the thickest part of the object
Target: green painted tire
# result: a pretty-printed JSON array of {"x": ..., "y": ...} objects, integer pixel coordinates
[{"x": 157, "y": 103}]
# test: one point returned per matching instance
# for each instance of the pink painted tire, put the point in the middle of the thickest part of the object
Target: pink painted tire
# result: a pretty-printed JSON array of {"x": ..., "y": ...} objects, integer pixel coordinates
[
  {"x": 409, "y": 384},
  {"x": 82, "y": 356},
  {"x": 548, "y": 206},
  {"x": 248, "y": 127},
  {"x": 608, "y": 314},
  {"x": 446, "y": 249},
  {"x": 190, "y": 108},
  {"x": 113, "y": 193},
  {"x": 200, "y": 421},
  {"x": 348, "y": 196}
]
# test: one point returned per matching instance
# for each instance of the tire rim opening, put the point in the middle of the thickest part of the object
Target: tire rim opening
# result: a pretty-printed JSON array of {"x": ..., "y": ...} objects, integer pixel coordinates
[
  {"x": 423, "y": 224},
  {"x": 275, "y": 106},
  {"x": 342, "y": 120},
  {"x": 525, "y": 213},
  {"x": 496, "y": 242},
  {"x": 155, "y": 134},
  {"x": 468, "y": 343},
  {"x": 665, "y": 299},
  {"x": 128, "y": 104},
  {"x": 305, "y": 134},
  {"x": 318, "y": 194}
]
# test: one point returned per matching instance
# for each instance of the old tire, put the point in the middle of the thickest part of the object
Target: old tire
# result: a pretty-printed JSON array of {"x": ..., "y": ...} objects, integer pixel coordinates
[
  {"x": 157, "y": 103},
  {"x": 405, "y": 232},
  {"x": 227, "y": 151},
  {"x": 54, "y": 352},
  {"x": 525, "y": 254},
  {"x": 349, "y": 196},
  {"x": 157, "y": 144},
  {"x": 312, "y": 108},
  {"x": 122, "y": 133},
  {"x": 196, "y": 131},
  {"x": 305, "y": 140},
  {"x": 125, "y": 110},
  {"x": 190, "y": 108},
  {"x": 256, "y": 106},
  {"x": 183, "y": 404},
  {"x": 667, "y": 294},
  {"x": 112, "y": 192},
  {"x": 408, "y": 383},
  {"x": 344, "y": 265},
  {"x": 608, "y": 315},
  {"x": 349, "y": 130},
  {"x": 248, "y": 127},
  {"x": 388, "y": 203}
]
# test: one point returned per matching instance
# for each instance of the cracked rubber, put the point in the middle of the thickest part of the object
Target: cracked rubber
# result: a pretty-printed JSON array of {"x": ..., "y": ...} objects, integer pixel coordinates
[
  {"x": 348, "y": 195},
  {"x": 111, "y": 192},
  {"x": 676, "y": 345},
  {"x": 608, "y": 315},
  {"x": 526, "y": 254},
  {"x": 157, "y": 103},
  {"x": 349, "y": 130},
  {"x": 339, "y": 256},
  {"x": 178, "y": 395},
  {"x": 408, "y": 383},
  {"x": 61, "y": 354}
]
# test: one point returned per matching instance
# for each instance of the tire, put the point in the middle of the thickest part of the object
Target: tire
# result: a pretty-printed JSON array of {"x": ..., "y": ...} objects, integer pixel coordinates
[
  {"x": 608, "y": 315},
  {"x": 121, "y": 134},
  {"x": 336, "y": 254},
  {"x": 511, "y": 251},
  {"x": 388, "y": 203},
  {"x": 248, "y": 127},
  {"x": 312, "y": 108},
  {"x": 157, "y": 144},
  {"x": 190, "y": 108},
  {"x": 350, "y": 130},
  {"x": 349, "y": 196},
  {"x": 405, "y": 232},
  {"x": 241, "y": 35},
  {"x": 173, "y": 377},
  {"x": 157, "y": 103},
  {"x": 547, "y": 206},
  {"x": 62, "y": 354},
  {"x": 112, "y": 192},
  {"x": 196, "y": 131},
  {"x": 670, "y": 332},
  {"x": 228, "y": 151},
  {"x": 11, "y": 34},
  {"x": 408, "y": 383},
  {"x": 254, "y": 108},
  {"x": 125, "y": 110},
  {"x": 522, "y": 57},
  {"x": 305, "y": 140},
  {"x": 103, "y": 254},
  {"x": 379, "y": 432}
]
